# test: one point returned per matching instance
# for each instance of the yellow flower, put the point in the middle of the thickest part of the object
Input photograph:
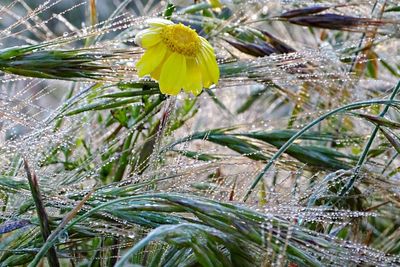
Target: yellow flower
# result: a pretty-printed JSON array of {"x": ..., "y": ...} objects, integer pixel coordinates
[{"x": 176, "y": 57}]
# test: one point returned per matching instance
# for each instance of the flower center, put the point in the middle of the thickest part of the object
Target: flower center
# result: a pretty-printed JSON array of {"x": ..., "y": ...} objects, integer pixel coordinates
[{"x": 181, "y": 39}]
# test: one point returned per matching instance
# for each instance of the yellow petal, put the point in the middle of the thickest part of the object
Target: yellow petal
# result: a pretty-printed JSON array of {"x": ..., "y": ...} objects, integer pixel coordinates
[
  {"x": 210, "y": 61},
  {"x": 208, "y": 64},
  {"x": 158, "y": 22},
  {"x": 205, "y": 76},
  {"x": 148, "y": 38},
  {"x": 193, "y": 82},
  {"x": 151, "y": 59},
  {"x": 155, "y": 74},
  {"x": 206, "y": 44},
  {"x": 173, "y": 74},
  {"x": 213, "y": 68}
]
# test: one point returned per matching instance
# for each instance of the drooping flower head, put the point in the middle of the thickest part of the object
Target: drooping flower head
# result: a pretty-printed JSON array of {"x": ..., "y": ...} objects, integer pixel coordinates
[{"x": 177, "y": 57}]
